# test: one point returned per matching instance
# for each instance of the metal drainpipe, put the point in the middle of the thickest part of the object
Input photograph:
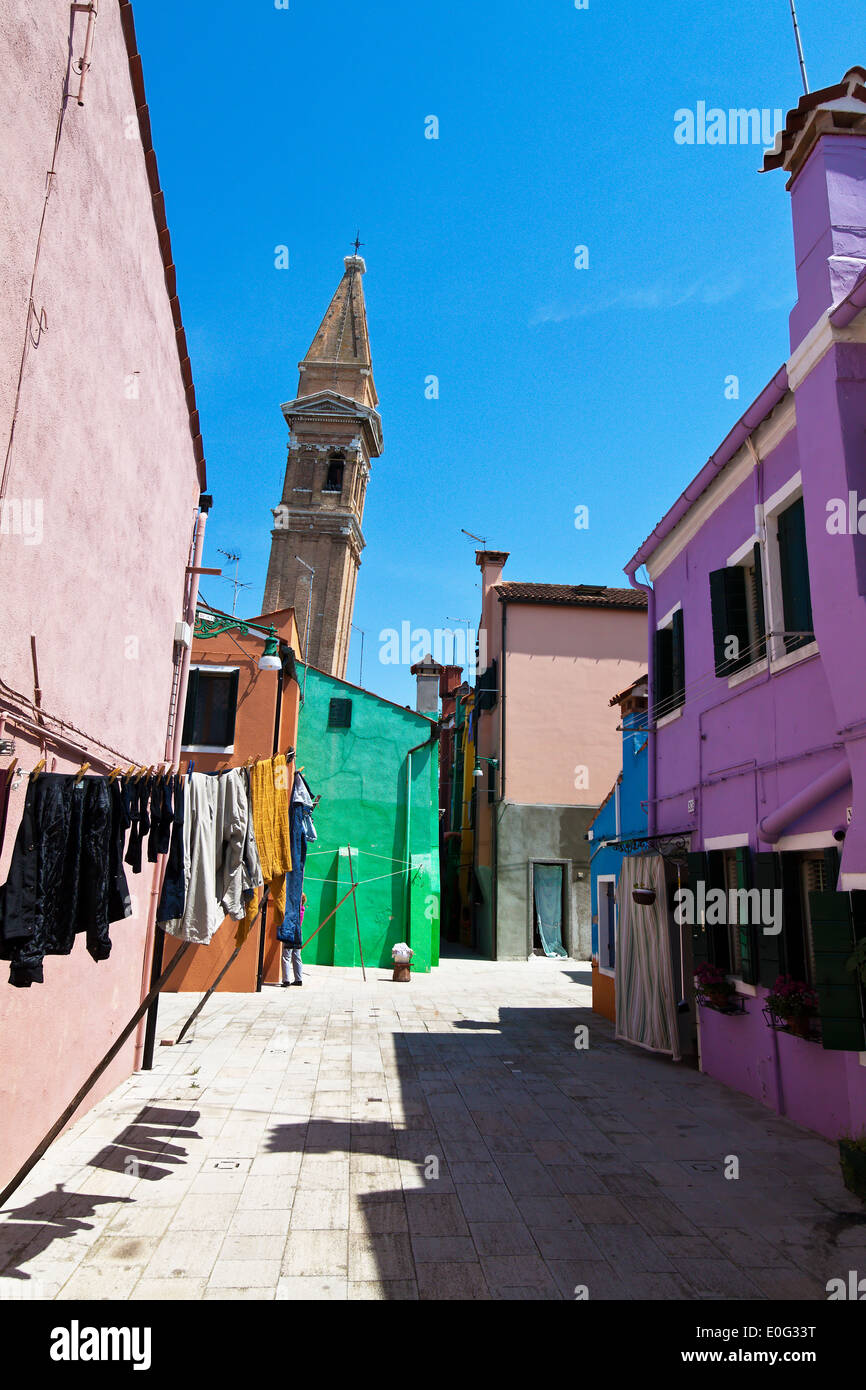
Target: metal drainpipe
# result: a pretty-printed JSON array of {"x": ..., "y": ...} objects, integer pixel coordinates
[
  {"x": 417, "y": 749},
  {"x": 92, "y": 10},
  {"x": 146, "y": 1035},
  {"x": 651, "y": 733}
]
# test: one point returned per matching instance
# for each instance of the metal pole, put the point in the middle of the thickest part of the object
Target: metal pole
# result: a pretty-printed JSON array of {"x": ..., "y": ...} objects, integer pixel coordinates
[
  {"x": 357, "y": 922},
  {"x": 799, "y": 48},
  {"x": 173, "y": 752}
]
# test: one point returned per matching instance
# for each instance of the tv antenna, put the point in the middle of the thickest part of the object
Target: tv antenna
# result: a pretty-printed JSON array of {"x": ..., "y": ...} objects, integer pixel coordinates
[
  {"x": 799, "y": 47},
  {"x": 482, "y": 540},
  {"x": 234, "y": 560}
]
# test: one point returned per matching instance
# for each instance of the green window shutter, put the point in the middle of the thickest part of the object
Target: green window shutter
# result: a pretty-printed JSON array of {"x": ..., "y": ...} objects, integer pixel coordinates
[
  {"x": 231, "y": 709},
  {"x": 730, "y": 618},
  {"x": 662, "y": 673},
  {"x": 678, "y": 659},
  {"x": 700, "y": 937},
  {"x": 720, "y": 941},
  {"x": 794, "y": 567},
  {"x": 831, "y": 864},
  {"x": 840, "y": 1000},
  {"x": 767, "y": 877},
  {"x": 748, "y": 929},
  {"x": 189, "y": 715},
  {"x": 793, "y": 926},
  {"x": 760, "y": 613}
]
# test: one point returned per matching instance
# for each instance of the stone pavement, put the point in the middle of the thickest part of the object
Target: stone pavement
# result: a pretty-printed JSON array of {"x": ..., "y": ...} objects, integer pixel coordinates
[{"x": 441, "y": 1139}]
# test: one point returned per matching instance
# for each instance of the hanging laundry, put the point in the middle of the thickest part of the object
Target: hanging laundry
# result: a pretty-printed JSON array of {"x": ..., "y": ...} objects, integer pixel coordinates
[
  {"x": 173, "y": 896},
  {"x": 302, "y": 831},
  {"x": 139, "y": 797},
  {"x": 269, "y": 788},
  {"x": 220, "y": 862},
  {"x": 59, "y": 882},
  {"x": 161, "y": 816},
  {"x": 119, "y": 902}
]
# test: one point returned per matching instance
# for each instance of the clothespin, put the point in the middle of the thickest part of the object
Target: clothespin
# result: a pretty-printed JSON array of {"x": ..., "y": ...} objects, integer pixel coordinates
[
  {"x": 38, "y": 768},
  {"x": 85, "y": 767},
  {"x": 114, "y": 774},
  {"x": 10, "y": 771},
  {"x": 189, "y": 767},
  {"x": 161, "y": 772}
]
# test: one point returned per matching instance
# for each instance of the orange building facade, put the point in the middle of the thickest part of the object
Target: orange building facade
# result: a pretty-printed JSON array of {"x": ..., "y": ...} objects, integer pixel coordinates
[{"x": 230, "y": 698}]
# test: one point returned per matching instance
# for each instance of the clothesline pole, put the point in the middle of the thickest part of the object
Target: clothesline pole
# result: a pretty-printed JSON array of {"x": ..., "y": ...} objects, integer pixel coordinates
[
  {"x": 260, "y": 968},
  {"x": 91, "y": 1081},
  {"x": 329, "y": 916},
  {"x": 357, "y": 922},
  {"x": 153, "y": 1011},
  {"x": 230, "y": 962}
]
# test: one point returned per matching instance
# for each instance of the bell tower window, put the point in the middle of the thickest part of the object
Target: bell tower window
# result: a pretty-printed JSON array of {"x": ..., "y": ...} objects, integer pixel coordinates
[{"x": 334, "y": 481}]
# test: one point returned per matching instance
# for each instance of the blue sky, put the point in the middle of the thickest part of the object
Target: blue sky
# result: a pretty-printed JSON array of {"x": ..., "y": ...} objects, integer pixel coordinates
[{"x": 602, "y": 387}]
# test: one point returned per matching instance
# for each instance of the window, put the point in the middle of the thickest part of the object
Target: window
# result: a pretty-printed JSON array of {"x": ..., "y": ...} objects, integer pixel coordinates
[
  {"x": 211, "y": 706},
  {"x": 607, "y": 925},
  {"x": 737, "y": 608},
  {"x": 334, "y": 480},
  {"x": 340, "y": 714},
  {"x": 669, "y": 684},
  {"x": 794, "y": 575}
]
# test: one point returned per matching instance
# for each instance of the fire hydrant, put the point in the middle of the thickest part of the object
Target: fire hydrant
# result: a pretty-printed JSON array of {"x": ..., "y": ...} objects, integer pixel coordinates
[{"x": 401, "y": 954}]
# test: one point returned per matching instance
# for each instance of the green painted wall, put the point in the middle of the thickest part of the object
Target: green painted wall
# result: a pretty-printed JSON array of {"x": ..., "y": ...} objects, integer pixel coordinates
[{"x": 360, "y": 773}]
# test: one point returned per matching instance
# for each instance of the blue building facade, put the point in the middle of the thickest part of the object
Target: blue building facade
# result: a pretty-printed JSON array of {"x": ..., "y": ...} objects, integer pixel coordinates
[{"x": 622, "y": 816}]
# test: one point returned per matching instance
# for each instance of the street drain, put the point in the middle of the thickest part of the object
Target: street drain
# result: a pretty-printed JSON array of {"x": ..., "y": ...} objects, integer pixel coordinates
[{"x": 226, "y": 1165}]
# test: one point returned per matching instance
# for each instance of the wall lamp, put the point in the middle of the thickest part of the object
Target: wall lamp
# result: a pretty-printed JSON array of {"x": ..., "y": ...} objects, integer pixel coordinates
[{"x": 479, "y": 771}]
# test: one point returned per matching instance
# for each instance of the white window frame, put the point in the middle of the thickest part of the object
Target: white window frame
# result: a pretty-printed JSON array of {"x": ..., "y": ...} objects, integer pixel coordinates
[
  {"x": 774, "y": 608},
  {"x": 667, "y": 621},
  {"x": 606, "y": 969},
  {"x": 213, "y": 671},
  {"x": 744, "y": 552}
]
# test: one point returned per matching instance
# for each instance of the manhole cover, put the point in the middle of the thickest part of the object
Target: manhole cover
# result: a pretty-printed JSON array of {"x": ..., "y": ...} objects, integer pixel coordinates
[{"x": 226, "y": 1165}]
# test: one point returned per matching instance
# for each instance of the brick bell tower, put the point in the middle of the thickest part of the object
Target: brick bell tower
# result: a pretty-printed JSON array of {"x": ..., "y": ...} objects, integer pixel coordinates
[{"x": 334, "y": 432}]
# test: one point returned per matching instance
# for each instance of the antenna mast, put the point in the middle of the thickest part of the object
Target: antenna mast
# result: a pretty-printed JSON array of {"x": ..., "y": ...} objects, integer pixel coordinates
[{"x": 799, "y": 47}]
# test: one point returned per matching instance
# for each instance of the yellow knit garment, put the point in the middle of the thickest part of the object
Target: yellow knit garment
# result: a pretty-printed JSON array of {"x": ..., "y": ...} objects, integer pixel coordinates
[{"x": 269, "y": 786}]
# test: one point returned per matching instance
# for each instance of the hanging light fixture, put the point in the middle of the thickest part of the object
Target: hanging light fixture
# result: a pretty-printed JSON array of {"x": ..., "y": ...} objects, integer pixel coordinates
[{"x": 270, "y": 659}]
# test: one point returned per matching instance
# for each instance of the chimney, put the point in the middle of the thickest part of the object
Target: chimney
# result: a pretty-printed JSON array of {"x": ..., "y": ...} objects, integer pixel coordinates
[
  {"x": 427, "y": 674},
  {"x": 823, "y": 148},
  {"x": 491, "y": 563}
]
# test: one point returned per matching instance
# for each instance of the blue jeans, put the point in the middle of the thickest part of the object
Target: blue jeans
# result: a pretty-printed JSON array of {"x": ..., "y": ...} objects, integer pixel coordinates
[{"x": 291, "y": 955}]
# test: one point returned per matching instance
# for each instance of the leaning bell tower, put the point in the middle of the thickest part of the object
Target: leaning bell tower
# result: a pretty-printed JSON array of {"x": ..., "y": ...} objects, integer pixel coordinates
[{"x": 334, "y": 432}]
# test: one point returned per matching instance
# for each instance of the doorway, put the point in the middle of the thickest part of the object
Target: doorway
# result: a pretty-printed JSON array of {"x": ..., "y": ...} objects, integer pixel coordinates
[{"x": 549, "y": 911}]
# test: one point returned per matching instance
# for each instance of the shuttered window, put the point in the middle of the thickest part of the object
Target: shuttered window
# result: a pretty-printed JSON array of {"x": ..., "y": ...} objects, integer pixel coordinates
[
  {"x": 710, "y": 942},
  {"x": 794, "y": 574},
  {"x": 737, "y": 610},
  {"x": 669, "y": 680},
  {"x": 211, "y": 708},
  {"x": 838, "y": 923},
  {"x": 340, "y": 714}
]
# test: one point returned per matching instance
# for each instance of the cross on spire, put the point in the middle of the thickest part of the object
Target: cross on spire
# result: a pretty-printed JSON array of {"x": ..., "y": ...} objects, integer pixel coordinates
[{"x": 357, "y": 243}]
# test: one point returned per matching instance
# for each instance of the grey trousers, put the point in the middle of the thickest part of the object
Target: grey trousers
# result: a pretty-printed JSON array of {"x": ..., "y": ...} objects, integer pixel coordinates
[{"x": 291, "y": 956}]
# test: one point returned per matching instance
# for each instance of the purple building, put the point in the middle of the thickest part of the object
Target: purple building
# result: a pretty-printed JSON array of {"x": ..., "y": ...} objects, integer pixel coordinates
[{"x": 757, "y": 614}]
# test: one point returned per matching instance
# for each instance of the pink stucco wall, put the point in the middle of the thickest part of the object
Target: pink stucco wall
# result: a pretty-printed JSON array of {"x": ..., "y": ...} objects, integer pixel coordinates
[
  {"x": 563, "y": 666},
  {"x": 103, "y": 443}
]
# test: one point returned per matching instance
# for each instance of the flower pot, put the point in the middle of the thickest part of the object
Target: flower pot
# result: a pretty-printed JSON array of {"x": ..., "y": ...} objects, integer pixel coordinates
[
  {"x": 800, "y": 1025},
  {"x": 644, "y": 896},
  {"x": 853, "y": 1159},
  {"x": 717, "y": 999}
]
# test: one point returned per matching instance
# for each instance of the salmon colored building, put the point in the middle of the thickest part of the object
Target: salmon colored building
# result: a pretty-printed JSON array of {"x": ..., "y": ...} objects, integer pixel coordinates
[
  {"x": 548, "y": 750},
  {"x": 235, "y": 712}
]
